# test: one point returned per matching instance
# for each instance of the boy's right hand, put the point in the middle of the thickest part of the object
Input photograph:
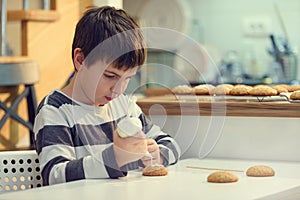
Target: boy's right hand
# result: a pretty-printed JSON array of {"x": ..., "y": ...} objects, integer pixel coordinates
[{"x": 129, "y": 149}]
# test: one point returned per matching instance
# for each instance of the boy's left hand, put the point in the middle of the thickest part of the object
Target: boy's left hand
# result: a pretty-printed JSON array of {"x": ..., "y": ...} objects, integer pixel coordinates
[{"x": 153, "y": 149}]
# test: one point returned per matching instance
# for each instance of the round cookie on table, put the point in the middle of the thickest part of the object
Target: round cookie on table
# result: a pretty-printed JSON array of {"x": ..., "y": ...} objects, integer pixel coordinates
[
  {"x": 222, "y": 177},
  {"x": 260, "y": 171},
  {"x": 155, "y": 170}
]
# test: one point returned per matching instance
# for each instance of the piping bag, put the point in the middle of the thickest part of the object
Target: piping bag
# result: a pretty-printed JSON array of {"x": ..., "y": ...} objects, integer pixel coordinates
[{"x": 131, "y": 125}]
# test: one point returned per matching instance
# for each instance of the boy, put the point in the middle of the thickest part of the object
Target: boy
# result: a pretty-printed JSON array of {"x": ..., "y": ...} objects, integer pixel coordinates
[{"x": 75, "y": 128}]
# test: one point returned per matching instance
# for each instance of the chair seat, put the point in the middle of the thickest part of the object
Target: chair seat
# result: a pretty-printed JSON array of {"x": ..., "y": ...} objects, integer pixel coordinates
[{"x": 18, "y": 70}]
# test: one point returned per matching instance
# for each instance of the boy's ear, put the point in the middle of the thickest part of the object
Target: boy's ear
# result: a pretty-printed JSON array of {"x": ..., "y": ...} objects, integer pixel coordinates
[{"x": 78, "y": 58}]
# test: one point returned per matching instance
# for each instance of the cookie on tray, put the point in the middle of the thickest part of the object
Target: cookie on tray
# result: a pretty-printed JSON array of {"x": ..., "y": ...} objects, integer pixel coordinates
[
  {"x": 295, "y": 95},
  {"x": 222, "y": 177},
  {"x": 182, "y": 89},
  {"x": 263, "y": 90},
  {"x": 280, "y": 88},
  {"x": 203, "y": 89},
  {"x": 293, "y": 88},
  {"x": 260, "y": 171},
  {"x": 155, "y": 170},
  {"x": 223, "y": 89},
  {"x": 240, "y": 90}
]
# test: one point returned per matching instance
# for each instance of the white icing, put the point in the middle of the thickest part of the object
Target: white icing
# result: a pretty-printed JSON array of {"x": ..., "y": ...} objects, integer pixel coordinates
[{"x": 129, "y": 126}]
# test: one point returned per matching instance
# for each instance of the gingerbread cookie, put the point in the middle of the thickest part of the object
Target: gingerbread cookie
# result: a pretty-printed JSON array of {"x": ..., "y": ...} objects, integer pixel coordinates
[
  {"x": 182, "y": 89},
  {"x": 295, "y": 95},
  {"x": 155, "y": 170},
  {"x": 204, "y": 89},
  {"x": 222, "y": 177},
  {"x": 260, "y": 171},
  {"x": 262, "y": 90},
  {"x": 240, "y": 90}
]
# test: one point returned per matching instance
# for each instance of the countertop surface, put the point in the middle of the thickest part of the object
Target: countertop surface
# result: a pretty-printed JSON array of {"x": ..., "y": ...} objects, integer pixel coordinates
[
  {"x": 273, "y": 106},
  {"x": 180, "y": 183}
]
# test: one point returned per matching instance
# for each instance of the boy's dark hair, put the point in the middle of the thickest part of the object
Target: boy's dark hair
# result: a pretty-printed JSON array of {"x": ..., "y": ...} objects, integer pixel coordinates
[{"x": 112, "y": 35}]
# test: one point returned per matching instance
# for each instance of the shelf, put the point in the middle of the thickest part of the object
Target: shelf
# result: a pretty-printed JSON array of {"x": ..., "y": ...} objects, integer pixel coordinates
[
  {"x": 207, "y": 106},
  {"x": 33, "y": 15},
  {"x": 14, "y": 59}
]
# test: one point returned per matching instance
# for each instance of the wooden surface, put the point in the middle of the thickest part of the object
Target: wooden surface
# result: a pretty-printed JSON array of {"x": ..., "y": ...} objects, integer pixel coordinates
[
  {"x": 32, "y": 15},
  {"x": 48, "y": 43},
  {"x": 14, "y": 59},
  {"x": 206, "y": 106},
  {"x": 157, "y": 91}
]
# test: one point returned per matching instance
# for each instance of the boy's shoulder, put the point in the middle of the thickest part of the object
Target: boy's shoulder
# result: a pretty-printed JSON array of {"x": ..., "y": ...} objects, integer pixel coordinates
[{"x": 56, "y": 99}]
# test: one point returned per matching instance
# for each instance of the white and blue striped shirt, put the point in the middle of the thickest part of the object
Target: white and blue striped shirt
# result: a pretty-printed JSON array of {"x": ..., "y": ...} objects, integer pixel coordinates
[{"x": 75, "y": 141}]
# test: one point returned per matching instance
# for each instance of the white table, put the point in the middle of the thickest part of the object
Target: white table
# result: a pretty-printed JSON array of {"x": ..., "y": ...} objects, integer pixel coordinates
[{"x": 180, "y": 183}]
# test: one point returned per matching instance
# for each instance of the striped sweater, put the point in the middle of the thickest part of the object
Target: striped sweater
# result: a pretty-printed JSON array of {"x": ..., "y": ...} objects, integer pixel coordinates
[{"x": 74, "y": 140}]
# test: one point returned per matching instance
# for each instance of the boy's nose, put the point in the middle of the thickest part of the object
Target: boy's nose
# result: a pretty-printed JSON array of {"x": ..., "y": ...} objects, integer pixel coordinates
[{"x": 118, "y": 88}]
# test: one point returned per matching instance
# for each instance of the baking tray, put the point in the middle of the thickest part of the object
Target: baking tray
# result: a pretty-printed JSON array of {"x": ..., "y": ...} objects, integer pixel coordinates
[
  {"x": 200, "y": 98},
  {"x": 287, "y": 96}
]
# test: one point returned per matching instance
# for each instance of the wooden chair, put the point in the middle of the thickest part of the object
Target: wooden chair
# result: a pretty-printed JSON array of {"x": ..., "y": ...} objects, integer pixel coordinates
[{"x": 15, "y": 72}]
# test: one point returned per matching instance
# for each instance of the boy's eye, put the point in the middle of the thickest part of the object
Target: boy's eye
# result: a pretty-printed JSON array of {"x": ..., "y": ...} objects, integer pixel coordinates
[{"x": 111, "y": 76}]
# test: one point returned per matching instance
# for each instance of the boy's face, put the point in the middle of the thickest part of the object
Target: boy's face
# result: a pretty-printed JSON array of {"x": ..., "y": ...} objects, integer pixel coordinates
[{"x": 101, "y": 86}]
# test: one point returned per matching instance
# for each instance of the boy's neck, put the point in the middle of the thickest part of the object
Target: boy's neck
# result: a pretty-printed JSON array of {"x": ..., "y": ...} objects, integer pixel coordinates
[{"x": 68, "y": 89}]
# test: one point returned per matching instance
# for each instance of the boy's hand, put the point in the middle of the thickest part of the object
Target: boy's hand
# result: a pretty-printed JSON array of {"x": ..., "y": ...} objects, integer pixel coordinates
[
  {"x": 153, "y": 149},
  {"x": 129, "y": 149}
]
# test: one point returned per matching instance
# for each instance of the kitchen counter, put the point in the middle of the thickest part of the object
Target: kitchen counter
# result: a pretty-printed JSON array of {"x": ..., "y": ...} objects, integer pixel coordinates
[
  {"x": 231, "y": 127},
  {"x": 276, "y": 106}
]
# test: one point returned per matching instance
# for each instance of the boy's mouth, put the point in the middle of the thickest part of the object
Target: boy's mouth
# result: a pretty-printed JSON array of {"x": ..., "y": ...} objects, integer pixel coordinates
[{"x": 108, "y": 98}]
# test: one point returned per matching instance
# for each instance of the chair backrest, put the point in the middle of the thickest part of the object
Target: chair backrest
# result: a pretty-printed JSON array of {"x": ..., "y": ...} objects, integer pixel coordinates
[{"x": 19, "y": 170}]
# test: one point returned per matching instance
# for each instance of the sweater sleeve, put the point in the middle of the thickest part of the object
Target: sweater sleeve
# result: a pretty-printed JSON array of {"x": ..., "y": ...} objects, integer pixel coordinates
[
  {"x": 62, "y": 157},
  {"x": 169, "y": 149}
]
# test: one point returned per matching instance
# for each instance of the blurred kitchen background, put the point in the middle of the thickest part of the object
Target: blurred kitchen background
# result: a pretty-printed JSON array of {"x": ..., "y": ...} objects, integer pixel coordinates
[
  {"x": 250, "y": 42},
  {"x": 240, "y": 41}
]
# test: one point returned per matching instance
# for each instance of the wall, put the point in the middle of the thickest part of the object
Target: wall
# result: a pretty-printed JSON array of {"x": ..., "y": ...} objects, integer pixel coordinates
[{"x": 249, "y": 138}]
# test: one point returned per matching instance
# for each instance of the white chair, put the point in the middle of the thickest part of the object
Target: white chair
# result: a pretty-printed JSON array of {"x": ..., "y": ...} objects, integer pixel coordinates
[{"x": 19, "y": 170}]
